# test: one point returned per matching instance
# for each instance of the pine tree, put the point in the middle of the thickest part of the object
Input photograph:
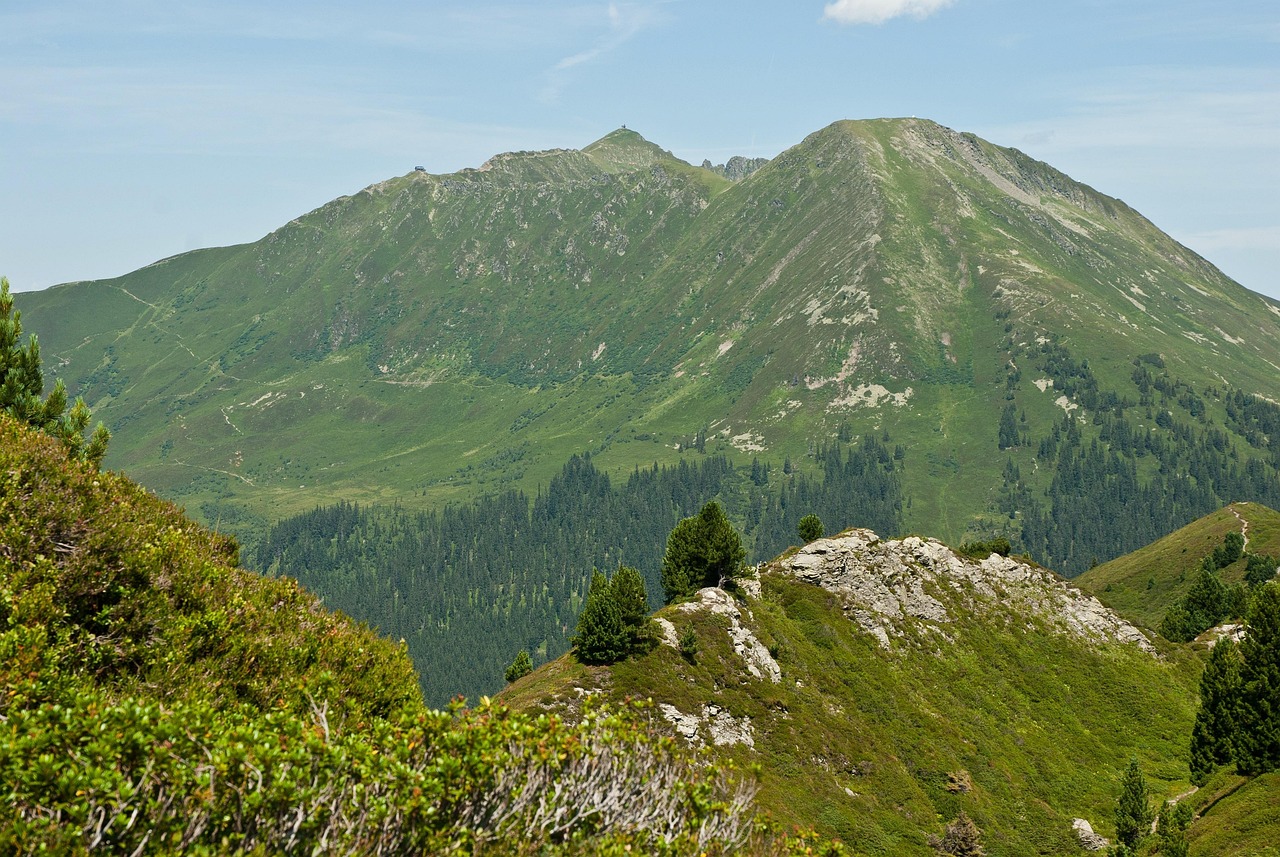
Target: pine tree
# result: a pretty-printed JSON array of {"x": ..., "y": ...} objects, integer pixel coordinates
[
  {"x": 520, "y": 667},
  {"x": 628, "y": 592},
  {"x": 1260, "y": 568},
  {"x": 1171, "y": 829},
  {"x": 599, "y": 638},
  {"x": 1213, "y": 734},
  {"x": 704, "y": 550},
  {"x": 1257, "y": 745},
  {"x": 1133, "y": 807},
  {"x": 1008, "y": 430},
  {"x": 810, "y": 528},
  {"x": 22, "y": 383},
  {"x": 615, "y": 622},
  {"x": 689, "y": 643}
]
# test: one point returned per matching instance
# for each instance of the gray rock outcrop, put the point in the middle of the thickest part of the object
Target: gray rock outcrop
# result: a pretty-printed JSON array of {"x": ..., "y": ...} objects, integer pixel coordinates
[
  {"x": 1089, "y": 840},
  {"x": 887, "y": 585}
]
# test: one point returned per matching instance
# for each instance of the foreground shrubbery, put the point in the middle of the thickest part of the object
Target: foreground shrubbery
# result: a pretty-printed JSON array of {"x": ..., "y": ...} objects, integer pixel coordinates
[
  {"x": 92, "y": 775},
  {"x": 105, "y": 586},
  {"x": 156, "y": 699}
]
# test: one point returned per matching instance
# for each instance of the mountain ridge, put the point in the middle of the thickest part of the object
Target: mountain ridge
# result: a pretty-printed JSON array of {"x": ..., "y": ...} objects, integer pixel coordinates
[
  {"x": 874, "y": 273},
  {"x": 831, "y": 667}
]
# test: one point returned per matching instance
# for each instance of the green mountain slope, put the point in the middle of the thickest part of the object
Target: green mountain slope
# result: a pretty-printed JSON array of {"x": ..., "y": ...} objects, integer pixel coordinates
[
  {"x": 884, "y": 687},
  {"x": 434, "y": 338},
  {"x": 157, "y": 699},
  {"x": 104, "y": 586},
  {"x": 1143, "y": 584}
]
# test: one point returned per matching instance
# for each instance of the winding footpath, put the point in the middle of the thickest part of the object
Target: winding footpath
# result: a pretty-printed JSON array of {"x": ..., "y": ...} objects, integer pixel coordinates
[{"x": 1244, "y": 525}]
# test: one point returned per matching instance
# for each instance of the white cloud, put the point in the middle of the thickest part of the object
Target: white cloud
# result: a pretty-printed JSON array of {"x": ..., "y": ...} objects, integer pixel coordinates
[{"x": 879, "y": 11}]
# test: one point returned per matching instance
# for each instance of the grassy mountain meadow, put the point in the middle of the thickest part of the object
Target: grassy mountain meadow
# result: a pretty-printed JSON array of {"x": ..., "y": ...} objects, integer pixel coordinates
[
  {"x": 1143, "y": 584},
  {"x": 442, "y": 401},
  {"x": 438, "y": 338},
  {"x": 885, "y": 686}
]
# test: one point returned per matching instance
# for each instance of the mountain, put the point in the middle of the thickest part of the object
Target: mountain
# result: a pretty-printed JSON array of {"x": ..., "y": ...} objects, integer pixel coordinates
[
  {"x": 885, "y": 686},
  {"x": 1022, "y": 338},
  {"x": 1142, "y": 585}
]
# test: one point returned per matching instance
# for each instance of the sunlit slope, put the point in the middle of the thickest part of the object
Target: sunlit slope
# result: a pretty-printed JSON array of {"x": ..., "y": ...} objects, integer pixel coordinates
[
  {"x": 885, "y": 686},
  {"x": 1144, "y": 584},
  {"x": 434, "y": 337}
]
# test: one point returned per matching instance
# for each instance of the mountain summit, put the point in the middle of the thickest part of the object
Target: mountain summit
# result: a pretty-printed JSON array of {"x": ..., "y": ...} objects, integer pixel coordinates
[{"x": 434, "y": 337}]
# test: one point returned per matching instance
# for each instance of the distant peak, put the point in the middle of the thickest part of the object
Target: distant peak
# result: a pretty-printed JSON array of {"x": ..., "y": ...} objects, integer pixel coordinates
[
  {"x": 623, "y": 149},
  {"x": 622, "y": 136}
]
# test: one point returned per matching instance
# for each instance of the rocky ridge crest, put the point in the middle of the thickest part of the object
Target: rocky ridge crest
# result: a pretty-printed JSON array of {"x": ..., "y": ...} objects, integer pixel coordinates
[{"x": 887, "y": 586}]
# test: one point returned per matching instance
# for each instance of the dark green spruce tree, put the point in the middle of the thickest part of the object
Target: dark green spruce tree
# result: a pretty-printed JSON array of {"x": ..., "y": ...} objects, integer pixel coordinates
[
  {"x": 810, "y": 528},
  {"x": 615, "y": 622},
  {"x": 1008, "y": 431},
  {"x": 1257, "y": 744},
  {"x": 520, "y": 667},
  {"x": 1133, "y": 807},
  {"x": 600, "y": 638},
  {"x": 1260, "y": 568},
  {"x": 704, "y": 550},
  {"x": 1213, "y": 735},
  {"x": 628, "y": 592}
]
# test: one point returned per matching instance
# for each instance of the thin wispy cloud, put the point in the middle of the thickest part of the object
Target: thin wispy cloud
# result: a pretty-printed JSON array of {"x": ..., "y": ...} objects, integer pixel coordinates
[
  {"x": 1163, "y": 108},
  {"x": 879, "y": 11},
  {"x": 624, "y": 22}
]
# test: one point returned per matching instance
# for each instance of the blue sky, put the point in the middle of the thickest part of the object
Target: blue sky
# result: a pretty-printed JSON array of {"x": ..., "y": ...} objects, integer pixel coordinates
[{"x": 131, "y": 131}]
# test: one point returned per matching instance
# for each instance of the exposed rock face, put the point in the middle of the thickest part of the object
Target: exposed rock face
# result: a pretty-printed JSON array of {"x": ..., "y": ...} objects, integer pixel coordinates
[
  {"x": 1089, "y": 840},
  {"x": 755, "y": 655},
  {"x": 1226, "y": 631},
  {"x": 669, "y": 635},
  {"x": 736, "y": 168},
  {"x": 723, "y": 727},
  {"x": 886, "y": 585}
]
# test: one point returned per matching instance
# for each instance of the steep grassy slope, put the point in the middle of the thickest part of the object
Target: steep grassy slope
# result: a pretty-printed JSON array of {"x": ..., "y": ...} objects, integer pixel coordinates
[
  {"x": 1143, "y": 584},
  {"x": 436, "y": 337},
  {"x": 1237, "y": 817},
  {"x": 884, "y": 687},
  {"x": 104, "y": 585},
  {"x": 156, "y": 699}
]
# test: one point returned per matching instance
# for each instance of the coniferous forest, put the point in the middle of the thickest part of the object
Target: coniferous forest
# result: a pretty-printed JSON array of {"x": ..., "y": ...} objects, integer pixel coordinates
[
  {"x": 1144, "y": 467},
  {"x": 469, "y": 586},
  {"x": 472, "y": 584}
]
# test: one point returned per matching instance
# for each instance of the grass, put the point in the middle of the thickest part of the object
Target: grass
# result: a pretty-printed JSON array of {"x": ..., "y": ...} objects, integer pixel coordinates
[
  {"x": 486, "y": 295},
  {"x": 1142, "y": 585},
  {"x": 1236, "y": 816},
  {"x": 868, "y": 745}
]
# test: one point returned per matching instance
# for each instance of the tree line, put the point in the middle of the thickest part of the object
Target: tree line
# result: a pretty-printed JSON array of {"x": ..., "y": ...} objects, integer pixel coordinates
[
  {"x": 1137, "y": 470},
  {"x": 468, "y": 586}
]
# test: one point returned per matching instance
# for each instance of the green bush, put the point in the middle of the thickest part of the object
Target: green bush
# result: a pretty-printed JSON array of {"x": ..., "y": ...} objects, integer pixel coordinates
[{"x": 810, "y": 528}]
